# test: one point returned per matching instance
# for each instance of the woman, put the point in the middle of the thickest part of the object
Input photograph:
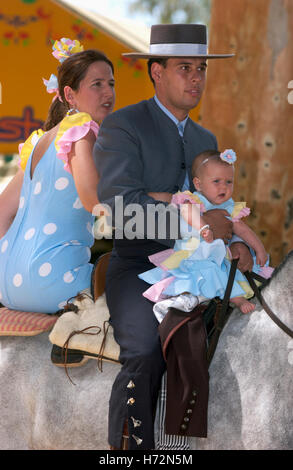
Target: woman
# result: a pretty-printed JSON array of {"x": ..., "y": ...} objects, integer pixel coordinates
[{"x": 46, "y": 210}]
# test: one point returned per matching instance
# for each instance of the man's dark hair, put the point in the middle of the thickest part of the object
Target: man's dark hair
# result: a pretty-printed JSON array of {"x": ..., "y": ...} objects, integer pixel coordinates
[{"x": 162, "y": 61}]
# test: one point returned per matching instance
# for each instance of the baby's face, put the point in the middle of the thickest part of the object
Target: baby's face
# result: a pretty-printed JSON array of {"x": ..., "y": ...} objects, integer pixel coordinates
[{"x": 215, "y": 182}]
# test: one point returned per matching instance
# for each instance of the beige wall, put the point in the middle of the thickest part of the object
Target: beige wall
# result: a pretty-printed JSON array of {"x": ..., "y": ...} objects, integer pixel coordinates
[{"x": 246, "y": 105}]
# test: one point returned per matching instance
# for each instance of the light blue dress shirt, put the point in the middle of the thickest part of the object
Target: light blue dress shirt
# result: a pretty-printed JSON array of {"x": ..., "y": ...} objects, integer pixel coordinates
[{"x": 181, "y": 126}]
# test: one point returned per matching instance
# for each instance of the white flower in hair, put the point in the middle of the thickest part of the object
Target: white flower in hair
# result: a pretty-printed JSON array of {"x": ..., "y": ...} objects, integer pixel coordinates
[{"x": 228, "y": 156}]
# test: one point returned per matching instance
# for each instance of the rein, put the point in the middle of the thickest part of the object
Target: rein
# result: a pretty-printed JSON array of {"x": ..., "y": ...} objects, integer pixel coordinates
[
  {"x": 224, "y": 314},
  {"x": 249, "y": 276}
]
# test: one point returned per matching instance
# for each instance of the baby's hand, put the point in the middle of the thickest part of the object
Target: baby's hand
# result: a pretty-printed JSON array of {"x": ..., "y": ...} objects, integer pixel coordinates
[
  {"x": 207, "y": 235},
  {"x": 261, "y": 257}
]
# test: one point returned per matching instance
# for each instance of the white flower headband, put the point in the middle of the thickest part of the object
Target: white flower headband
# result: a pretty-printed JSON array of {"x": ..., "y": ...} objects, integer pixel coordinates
[
  {"x": 61, "y": 50},
  {"x": 228, "y": 156}
]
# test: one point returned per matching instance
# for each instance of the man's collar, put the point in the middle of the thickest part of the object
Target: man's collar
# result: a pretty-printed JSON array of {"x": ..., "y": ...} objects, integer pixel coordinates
[{"x": 169, "y": 114}]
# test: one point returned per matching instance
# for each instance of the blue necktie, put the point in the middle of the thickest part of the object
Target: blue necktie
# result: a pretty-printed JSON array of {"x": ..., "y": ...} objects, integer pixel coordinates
[
  {"x": 180, "y": 128},
  {"x": 185, "y": 186}
]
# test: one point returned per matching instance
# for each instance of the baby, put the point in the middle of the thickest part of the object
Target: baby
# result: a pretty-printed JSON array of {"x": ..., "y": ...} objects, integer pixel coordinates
[{"x": 183, "y": 271}]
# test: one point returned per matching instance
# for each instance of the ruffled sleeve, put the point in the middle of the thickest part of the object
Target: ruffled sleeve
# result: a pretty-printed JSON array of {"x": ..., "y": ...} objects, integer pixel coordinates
[
  {"x": 73, "y": 128},
  {"x": 26, "y": 148},
  {"x": 186, "y": 196},
  {"x": 240, "y": 210}
]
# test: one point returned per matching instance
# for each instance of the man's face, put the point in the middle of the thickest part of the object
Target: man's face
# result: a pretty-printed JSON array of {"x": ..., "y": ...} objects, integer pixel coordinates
[{"x": 179, "y": 86}]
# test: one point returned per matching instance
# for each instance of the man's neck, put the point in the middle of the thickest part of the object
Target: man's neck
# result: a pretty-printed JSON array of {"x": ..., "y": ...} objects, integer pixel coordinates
[{"x": 177, "y": 117}]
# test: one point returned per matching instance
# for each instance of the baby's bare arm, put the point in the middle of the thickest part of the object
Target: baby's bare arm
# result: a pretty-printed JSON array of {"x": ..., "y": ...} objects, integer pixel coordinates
[{"x": 243, "y": 231}]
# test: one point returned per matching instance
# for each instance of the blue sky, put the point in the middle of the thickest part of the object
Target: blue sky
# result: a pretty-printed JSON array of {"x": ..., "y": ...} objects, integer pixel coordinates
[{"x": 112, "y": 8}]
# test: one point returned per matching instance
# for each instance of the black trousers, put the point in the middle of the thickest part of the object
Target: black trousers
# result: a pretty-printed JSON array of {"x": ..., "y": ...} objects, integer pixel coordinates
[{"x": 135, "y": 390}]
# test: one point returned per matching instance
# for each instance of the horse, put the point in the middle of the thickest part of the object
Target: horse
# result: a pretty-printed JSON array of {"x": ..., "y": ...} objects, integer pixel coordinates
[{"x": 250, "y": 401}]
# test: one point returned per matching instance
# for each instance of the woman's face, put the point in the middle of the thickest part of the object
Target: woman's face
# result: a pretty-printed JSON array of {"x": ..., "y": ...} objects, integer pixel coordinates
[{"x": 96, "y": 94}]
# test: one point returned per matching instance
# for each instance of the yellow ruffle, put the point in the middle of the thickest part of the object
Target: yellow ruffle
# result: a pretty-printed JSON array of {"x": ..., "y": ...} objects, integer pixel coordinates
[
  {"x": 68, "y": 122},
  {"x": 191, "y": 196},
  {"x": 238, "y": 206},
  {"x": 28, "y": 146},
  {"x": 175, "y": 259},
  {"x": 247, "y": 289}
]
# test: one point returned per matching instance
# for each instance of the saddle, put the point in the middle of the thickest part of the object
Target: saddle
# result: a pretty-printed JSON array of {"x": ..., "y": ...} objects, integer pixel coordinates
[{"x": 83, "y": 330}]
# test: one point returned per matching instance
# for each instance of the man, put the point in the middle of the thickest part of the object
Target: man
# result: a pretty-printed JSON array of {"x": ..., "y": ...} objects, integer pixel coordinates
[{"x": 143, "y": 152}]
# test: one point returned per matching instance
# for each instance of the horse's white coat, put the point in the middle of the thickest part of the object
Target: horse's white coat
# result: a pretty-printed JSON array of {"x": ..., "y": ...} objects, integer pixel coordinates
[{"x": 251, "y": 394}]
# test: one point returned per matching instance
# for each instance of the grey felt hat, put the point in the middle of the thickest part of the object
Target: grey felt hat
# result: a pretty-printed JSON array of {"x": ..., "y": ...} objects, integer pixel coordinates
[{"x": 178, "y": 40}]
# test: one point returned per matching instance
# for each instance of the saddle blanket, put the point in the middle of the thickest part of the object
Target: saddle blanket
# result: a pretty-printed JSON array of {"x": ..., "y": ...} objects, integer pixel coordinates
[{"x": 18, "y": 323}]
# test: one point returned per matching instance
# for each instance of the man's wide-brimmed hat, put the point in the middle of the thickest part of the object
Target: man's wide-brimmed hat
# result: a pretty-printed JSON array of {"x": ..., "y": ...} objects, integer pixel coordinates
[{"x": 178, "y": 40}]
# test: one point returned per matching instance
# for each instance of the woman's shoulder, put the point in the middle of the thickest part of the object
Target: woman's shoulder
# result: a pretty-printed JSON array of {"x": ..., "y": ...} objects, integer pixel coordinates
[
  {"x": 25, "y": 148},
  {"x": 75, "y": 126},
  {"x": 77, "y": 120},
  {"x": 71, "y": 129}
]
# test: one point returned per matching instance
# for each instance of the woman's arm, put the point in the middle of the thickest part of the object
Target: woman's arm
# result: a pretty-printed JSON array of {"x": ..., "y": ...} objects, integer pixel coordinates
[
  {"x": 247, "y": 235},
  {"x": 84, "y": 171},
  {"x": 9, "y": 202}
]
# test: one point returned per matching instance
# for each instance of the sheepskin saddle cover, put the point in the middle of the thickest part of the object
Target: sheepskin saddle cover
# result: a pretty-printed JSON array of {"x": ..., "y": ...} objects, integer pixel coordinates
[{"x": 86, "y": 328}]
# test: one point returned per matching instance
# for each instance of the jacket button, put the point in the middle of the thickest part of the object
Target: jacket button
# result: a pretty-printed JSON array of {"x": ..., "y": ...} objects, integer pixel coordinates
[
  {"x": 186, "y": 419},
  {"x": 131, "y": 384},
  {"x": 192, "y": 402},
  {"x": 183, "y": 426},
  {"x": 183, "y": 166},
  {"x": 189, "y": 411},
  {"x": 194, "y": 393}
]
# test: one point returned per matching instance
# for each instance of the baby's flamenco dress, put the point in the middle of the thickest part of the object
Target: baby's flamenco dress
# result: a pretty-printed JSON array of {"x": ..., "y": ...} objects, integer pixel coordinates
[
  {"x": 195, "y": 266},
  {"x": 45, "y": 254}
]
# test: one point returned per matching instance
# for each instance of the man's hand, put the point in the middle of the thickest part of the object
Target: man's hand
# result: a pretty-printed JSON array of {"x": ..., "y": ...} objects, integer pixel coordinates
[
  {"x": 241, "y": 251},
  {"x": 219, "y": 224}
]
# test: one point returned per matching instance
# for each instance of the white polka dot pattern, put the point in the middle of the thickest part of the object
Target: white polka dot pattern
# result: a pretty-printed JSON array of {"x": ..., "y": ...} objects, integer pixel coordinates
[
  {"x": 50, "y": 228},
  {"x": 45, "y": 269}
]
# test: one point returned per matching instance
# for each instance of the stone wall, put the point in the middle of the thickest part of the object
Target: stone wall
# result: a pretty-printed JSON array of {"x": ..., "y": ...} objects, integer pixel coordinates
[{"x": 246, "y": 105}]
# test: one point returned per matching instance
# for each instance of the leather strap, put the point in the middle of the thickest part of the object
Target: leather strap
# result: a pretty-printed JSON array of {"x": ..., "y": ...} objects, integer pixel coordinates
[
  {"x": 223, "y": 313},
  {"x": 249, "y": 276}
]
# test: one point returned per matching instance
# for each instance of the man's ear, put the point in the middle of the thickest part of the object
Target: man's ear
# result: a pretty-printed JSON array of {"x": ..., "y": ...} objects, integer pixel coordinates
[
  {"x": 196, "y": 182},
  {"x": 156, "y": 69}
]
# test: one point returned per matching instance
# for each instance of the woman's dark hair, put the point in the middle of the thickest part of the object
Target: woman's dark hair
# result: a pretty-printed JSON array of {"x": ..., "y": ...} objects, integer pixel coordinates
[
  {"x": 162, "y": 61},
  {"x": 70, "y": 73}
]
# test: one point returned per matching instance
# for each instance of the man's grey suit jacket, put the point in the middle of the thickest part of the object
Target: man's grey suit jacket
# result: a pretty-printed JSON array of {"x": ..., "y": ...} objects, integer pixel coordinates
[{"x": 139, "y": 150}]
